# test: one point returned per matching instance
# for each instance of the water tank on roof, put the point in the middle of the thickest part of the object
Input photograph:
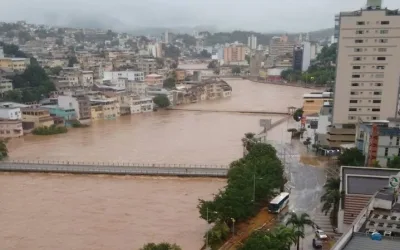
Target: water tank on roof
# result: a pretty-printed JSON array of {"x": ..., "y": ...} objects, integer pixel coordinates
[{"x": 376, "y": 236}]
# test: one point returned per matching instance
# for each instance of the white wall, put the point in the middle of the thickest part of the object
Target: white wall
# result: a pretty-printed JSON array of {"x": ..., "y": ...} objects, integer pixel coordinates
[
  {"x": 68, "y": 102},
  {"x": 306, "y": 56},
  {"x": 10, "y": 113},
  {"x": 131, "y": 75}
]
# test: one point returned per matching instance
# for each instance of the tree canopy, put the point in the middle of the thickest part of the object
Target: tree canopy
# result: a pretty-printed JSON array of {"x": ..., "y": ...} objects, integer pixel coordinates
[
  {"x": 3, "y": 149},
  {"x": 12, "y": 50},
  {"x": 298, "y": 114},
  {"x": 169, "y": 83},
  {"x": 30, "y": 86},
  {"x": 298, "y": 223},
  {"x": 280, "y": 238},
  {"x": 351, "y": 157},
  {"x": 331, "y": 199},
  {"x": 236, "y": 70},
  {"x": 321, "y": 71},
  {"x": 161, "y": 101},
  {"x": 161, "y": 246},
  {"x": 262, "y": 166}
]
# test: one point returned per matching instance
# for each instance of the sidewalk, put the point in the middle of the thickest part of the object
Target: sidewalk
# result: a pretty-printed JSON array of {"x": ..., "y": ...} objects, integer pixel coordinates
[{"x": 262, "y": 220}]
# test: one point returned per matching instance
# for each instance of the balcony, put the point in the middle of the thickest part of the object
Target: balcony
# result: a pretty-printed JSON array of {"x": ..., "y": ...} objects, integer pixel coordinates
[{"x": 341, "y": 131}]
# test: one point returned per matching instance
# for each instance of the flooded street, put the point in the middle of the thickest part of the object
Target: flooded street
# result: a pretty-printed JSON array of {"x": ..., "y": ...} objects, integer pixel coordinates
[{"x": 66, "y": 212}]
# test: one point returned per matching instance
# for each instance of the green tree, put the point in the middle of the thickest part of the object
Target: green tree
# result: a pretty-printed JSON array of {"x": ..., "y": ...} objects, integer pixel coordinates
[
  {"x": 60, "y": 41},
  {"x": 298, "y": 223},
  {"x": 204, "y": 54},
  {"x": 3, "y": 149},
  {"x": 280, "y": 238},
  {"x": 394, "y": 162},
  {"x": 169, "y": 83},
  {"x": 161, "y": 101},
  {"x": 331, "y": 199},
  {"x": 236, "y": 70},
  {"x": 217, "y": 71},
  {"x": 72, "y": 60},
  {"x": 298, "y": 114},
  {"x": 160, "y": 63},
  {"x": 252, "y": 180},
  {"x": 161, "y": 246},
  {"x": 12, "y": 50},
  {"x": 351, "y": 157},
  {"x": 217, "y": 234},
  {"x": 213, "y": 64},
  {"x": 247, "y": 58},
  {"x": 55, "y": 70}
]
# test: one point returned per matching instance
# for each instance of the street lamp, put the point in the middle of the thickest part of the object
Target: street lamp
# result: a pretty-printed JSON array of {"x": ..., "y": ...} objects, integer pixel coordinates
[
  {"x": 208, "y": 231},
  {"x": 233, "y": 226},
  {"x": 254, "y": 186}
]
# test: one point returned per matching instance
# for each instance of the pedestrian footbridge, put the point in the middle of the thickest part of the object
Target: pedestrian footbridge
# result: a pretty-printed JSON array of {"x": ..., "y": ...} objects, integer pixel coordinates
[{"x": 115, "y": 168}]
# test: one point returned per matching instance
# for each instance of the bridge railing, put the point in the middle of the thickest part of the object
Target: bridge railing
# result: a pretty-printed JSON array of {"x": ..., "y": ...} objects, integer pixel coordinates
[{"x": 116, "y": 164}]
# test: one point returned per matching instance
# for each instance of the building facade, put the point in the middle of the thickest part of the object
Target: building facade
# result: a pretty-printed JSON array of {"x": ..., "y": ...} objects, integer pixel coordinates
[
  {"x": 234, "y": 53},
  {"x": 313, "y": 102},
  {"x": 10, "y": 128},
  {"x": 5, "y": 85},
  {"x": 79, "y": 102},
  {"x": 367, "y": 73},
  {"x": 130, "y": 75}
]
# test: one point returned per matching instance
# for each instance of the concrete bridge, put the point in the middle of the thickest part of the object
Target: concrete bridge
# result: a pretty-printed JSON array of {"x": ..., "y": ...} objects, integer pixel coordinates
[
  {"x": 260, "y": 112},
  {"x": 115, "y": 168}
]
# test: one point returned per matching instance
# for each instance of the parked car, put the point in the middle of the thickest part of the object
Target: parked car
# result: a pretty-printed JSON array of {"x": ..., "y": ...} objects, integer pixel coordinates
[
  {"x": 317, "y": 244},
  {"x": 321, "y": 234}
]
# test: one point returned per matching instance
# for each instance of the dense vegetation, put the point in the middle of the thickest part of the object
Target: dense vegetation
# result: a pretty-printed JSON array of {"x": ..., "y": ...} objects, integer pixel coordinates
[
  {"x": 298, "y": 114},
  {"x": 351, "y": 157},
  {"x": 78, "y": 124},
  {"x": 161, "y": 101},
  {"x": 12, "y": 50},
  {"x": 161, "y": 246},
  {"x": 30, "y": 86},
  {"x": 3, "y": 149},
  {"x": 321, "y": 71},
  {"x": 252, "y": 182},
  {"x": 52, "y": 130}
]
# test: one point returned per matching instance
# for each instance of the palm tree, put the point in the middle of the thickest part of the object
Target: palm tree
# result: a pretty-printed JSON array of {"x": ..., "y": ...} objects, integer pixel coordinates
[
  {"x": 331, "y": 199},
  {"x": 286, "y": 236},
  {"x": 298, "y": 223},
  {"x": 248, "y": 140}
]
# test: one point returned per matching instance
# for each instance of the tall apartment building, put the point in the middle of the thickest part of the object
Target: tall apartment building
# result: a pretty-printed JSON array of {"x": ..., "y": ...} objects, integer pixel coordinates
[
  {"x": 252, "y": 42},
  {"x": 280, "y": 46},
  {"x": 367, "y": 74},
  {"x": 147, "y": 66},
  {"x": 234, "y": 53}
]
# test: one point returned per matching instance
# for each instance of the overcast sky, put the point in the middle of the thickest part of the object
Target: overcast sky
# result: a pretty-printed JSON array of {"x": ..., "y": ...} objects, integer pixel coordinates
[{"x": 257, "y": 15}]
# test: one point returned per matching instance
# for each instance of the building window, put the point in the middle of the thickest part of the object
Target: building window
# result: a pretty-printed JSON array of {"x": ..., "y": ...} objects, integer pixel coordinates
[
  {"x": 355, "y": 76},
  {"x": 378, "y": 84},
  {"x": 382, "y": 50},
  {"x": 379, "y": 75},
  {"x": 381, "y": 58},
  {"x": 357, "y": 58},
  {"x": 353, "y": 93},
  {"x": 386, "y": 151},
  {"x": 352, "y": 109},
  {"x": 353, "y": 101},
  {"x": 360, "y": 23},
  {"x": 383, "y": 40},
  {"x": 376, "y": 101},
  {"x": 376, "y": 110},
  {"x": 359, "y": 41},
  {"x": 385, "y": 22},
  {"x": 377, "y": 93},
  {"x": 380, "y": 67},
  {"x": 355, "y": 84},
  {"x": 374, "y": 118},
  {"x": 384, "y": 31},
  {"x": 309, "y": 101},
  {"x": 356, "y": 67},
  {"x": 359, "y": 32}
]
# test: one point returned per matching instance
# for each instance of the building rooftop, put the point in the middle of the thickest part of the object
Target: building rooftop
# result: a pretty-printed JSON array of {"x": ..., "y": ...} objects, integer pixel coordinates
[
  {"x": 364, "y": 242},
  {"x": 12, "y": 105}
]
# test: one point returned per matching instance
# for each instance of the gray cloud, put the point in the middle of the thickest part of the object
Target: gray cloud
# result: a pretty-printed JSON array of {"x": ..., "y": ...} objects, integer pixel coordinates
[{"x": 257, "y": 15}]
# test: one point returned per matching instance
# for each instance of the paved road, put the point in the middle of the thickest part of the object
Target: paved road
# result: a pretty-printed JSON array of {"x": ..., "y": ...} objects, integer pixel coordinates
[
  {"x": 122, "y": 170},
  {"x": 306, "y": 184}
]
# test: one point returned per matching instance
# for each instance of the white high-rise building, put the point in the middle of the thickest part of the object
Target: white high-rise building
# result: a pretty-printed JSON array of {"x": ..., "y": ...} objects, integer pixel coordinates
[
  {"x": 166, "y": 37},
  {"x": 367, "y": 72},
  {"x": 1, "y": 52},
  {"x": 252, "y": 42},
  {"x": 306, "y": 56}
]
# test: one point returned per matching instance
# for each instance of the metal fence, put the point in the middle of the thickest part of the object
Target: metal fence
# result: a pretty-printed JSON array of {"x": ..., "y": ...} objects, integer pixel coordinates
[{"x": 113, "y": 164}]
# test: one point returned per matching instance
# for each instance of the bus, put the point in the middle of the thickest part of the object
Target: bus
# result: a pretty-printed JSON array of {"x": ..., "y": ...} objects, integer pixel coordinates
[{"x": 278, "y": 203}]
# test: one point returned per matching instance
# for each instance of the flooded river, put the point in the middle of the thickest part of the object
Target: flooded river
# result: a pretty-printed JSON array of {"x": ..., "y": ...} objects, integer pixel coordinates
[{"x": 102, "y": 212}]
